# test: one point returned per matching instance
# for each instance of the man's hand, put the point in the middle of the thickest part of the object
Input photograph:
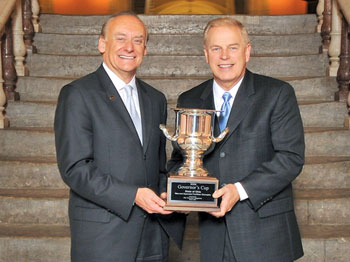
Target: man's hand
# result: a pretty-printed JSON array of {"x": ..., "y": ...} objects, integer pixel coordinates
[
  {"x": 229, "y": 197},
  {"x": 150, "y": 202}
]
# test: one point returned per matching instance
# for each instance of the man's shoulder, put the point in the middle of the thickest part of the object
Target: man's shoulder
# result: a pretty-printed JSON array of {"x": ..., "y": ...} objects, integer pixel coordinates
[
  {"x": 87, "y": 80},
  {"x": 197, "y": 90},
  {"x": 150, "y": 89},
  {"x": 267, "y": 81}
]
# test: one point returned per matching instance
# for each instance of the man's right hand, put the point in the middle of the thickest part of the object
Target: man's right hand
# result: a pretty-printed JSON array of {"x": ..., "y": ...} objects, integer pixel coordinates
[{"x": 150, "y": 202}]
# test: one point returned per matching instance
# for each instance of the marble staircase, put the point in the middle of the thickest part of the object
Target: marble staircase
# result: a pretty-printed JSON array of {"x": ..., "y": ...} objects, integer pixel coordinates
[{"x": 33, "y": 199}]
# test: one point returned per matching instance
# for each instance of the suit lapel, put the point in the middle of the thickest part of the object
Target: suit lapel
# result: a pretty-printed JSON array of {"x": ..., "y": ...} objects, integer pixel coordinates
[
  {"x": 242, "y": 103},
  {"x": 117, "y": 103},
  {"x": 208, "y": 103},
  {"x": 146, "y": 114},
  {"x": 207, "y": 96}
]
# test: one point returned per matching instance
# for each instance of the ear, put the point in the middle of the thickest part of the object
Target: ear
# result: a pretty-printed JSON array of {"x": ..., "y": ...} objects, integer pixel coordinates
[
  {"x": 101, "y": 45},
  {"x": 206, "y": 54},
  {"x": 145, "y": 51},
  {"x": 247, "y": 52}
]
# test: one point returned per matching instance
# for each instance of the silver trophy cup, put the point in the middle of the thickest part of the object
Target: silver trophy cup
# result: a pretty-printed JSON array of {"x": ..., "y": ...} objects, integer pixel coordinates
[{"x": 191, "y": 187}]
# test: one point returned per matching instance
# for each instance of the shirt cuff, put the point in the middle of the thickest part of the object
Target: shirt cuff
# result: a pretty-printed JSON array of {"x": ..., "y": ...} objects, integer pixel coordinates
[{"x": 241, "y": 191}]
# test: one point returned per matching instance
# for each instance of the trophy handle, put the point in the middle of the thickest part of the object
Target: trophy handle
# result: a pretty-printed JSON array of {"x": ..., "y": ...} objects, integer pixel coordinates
[
  {"x": 221, "y": 136},
  {"x": 166, "y": 133}
]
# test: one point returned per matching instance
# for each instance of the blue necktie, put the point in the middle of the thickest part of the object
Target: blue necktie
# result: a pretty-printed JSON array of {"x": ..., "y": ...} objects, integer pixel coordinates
[
  {"x": 130, "y": 105},
  {"x": 225, "y": 111}
]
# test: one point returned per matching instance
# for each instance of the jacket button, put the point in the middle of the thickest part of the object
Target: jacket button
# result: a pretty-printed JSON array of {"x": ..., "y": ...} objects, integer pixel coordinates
[{"x": 222, "y": 154}]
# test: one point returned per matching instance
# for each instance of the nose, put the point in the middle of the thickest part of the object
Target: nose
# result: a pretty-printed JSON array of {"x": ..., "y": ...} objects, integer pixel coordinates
[
  {"x": 224, "y": 54},
  {"x": 129, "y": 46}
]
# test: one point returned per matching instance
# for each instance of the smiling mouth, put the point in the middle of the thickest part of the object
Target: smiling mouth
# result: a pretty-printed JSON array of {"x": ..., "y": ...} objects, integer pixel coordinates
[
  {"x": 127, "y": 57},
  {"x": 225, "y": 66}
]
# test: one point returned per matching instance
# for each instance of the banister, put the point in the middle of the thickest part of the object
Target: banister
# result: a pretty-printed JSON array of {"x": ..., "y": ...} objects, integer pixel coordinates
[
  {"x": 344, "y": 6},
  {"x": 6, "y": 9}
]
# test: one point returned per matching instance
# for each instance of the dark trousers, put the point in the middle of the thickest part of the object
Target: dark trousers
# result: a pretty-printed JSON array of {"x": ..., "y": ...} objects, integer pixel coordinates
[
  {"x": 228, "y": 255},
  {"x": 154, "y": 244}
]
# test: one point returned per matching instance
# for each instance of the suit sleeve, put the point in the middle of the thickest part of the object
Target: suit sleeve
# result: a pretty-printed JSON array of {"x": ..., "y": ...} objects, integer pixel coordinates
[
  {"x": 287, "y": 135},
  {"x": 75, "y": 156}
]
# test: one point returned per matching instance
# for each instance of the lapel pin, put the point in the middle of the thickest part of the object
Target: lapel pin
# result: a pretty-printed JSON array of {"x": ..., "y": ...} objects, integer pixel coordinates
[{"x": 111, "y": 98}]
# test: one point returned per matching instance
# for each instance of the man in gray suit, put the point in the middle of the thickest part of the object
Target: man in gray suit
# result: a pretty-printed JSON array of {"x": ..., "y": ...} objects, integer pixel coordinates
[
  {"x": 257, "y": 160},
  {"x": 111, "y": 153}
]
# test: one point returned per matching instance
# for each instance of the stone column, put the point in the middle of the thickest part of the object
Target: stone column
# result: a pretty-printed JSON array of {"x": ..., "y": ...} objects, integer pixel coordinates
[
  {"x": 334, "y": 47},
  {"x": 19, "y": 48}
]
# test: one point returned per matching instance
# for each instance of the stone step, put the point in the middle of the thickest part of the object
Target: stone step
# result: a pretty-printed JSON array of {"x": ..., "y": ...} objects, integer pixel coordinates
[
  {"x": 324, "y": 173},
  {"x": 47, "y": 88},
  {"x": 296, "y": 44},
  {"x": 322, "y": 206},
  {"x": 27, "y": 142},
  {"x": 179, "y": 66},
  {"x": 50, "y": 206},
  {"x": 41, "y": 114},
  {"x": 35, "y": 206},
  {"x": 182, "y": 24},
  {"x": 327, "y": 142},
  {"x": 39, "y": 243},
  {"x": 32, "y": 173},
  {"x": 28, "y": 243},
  {"x": 42, "y": 173},
  {"x": 39, "y": 142}
]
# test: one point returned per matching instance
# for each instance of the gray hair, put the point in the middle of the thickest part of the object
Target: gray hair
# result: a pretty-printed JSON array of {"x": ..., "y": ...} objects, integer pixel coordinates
[
  {"x": 225, "y": 21},
  {"x": 126, "y": 13}
]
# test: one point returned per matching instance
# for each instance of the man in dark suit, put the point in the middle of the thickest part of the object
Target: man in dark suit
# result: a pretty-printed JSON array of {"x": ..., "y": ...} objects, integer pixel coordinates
[
  {"x": 111, "y": 153},
  {"x": 257, "y": 160}
]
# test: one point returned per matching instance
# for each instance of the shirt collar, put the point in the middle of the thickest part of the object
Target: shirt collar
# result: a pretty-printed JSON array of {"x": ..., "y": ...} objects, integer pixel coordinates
[
  {"x": 218, "y": 91},
  {"x": 117, "y": 82}
]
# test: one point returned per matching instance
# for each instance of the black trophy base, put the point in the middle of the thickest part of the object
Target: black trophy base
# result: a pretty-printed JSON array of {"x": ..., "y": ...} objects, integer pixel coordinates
[{"x": 192, "y": 194}]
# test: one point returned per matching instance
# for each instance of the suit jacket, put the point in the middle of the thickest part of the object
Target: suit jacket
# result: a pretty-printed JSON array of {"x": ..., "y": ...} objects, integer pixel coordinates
[
  {"x": 101, "y": 159},
  {"x": 264, "y": 151}
]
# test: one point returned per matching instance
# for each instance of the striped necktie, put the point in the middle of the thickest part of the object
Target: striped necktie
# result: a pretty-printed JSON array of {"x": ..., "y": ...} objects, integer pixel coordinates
[
  {"x": 225, "y": 111},
  {"x": 130, "y": 105}
]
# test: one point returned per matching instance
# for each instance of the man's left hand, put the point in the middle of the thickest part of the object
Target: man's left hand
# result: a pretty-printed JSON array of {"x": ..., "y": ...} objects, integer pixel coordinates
[{"x": 229, "y": 197}]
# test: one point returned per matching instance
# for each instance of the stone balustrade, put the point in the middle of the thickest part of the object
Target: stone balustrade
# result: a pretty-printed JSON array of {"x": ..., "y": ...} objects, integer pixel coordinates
[
  {"x": 18, "y": 21},
  {"x": 334, "y": 19}
]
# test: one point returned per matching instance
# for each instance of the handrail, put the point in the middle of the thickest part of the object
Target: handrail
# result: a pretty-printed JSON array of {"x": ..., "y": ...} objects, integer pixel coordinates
[
  {"x": 6, "y": 9},
  {"x": 344, "y": 6}
]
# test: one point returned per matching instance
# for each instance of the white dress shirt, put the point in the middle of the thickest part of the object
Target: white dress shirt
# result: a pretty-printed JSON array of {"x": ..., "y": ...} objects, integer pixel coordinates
[
  {"x": 218, "y": 101},
  {"x": 119, "y": 85}
]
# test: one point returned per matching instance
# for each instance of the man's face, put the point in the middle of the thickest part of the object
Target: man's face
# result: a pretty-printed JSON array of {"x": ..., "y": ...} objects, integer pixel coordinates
[
  {"x": 227, "y": 54},
  {"x": 123, "y": 46}
]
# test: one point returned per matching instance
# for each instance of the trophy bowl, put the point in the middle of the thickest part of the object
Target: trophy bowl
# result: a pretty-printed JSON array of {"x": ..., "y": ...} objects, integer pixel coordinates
[{"x": 191, "y": 187}]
